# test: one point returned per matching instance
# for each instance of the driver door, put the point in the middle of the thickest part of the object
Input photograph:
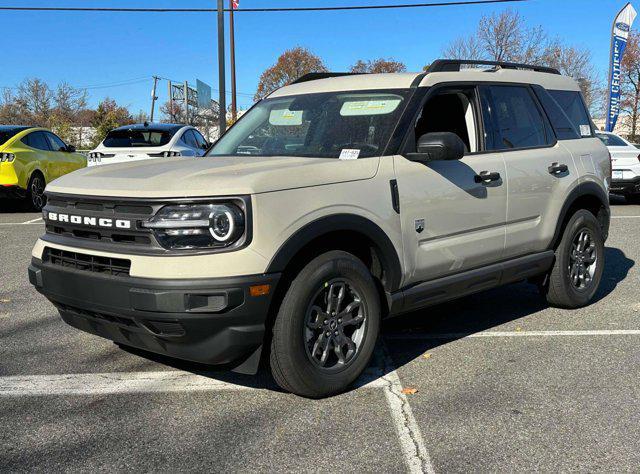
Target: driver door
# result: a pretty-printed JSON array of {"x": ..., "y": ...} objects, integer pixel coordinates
[{"x": 452, "y": 219}]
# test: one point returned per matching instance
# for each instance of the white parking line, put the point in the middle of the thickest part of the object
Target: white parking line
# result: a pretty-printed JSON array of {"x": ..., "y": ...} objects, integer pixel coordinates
[
  {"x": 413, "y": 448},
  {"x": 130, "y": 382},
  {"x": 460, "y": 335},
  {"x": 33, "y": 221},
  {"x": 625, "y": 217},
  {"x": 20, "y": 223}
]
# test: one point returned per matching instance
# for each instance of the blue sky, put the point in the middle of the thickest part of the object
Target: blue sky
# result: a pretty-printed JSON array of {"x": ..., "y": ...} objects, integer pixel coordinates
[{"x": 100, "y": 49}]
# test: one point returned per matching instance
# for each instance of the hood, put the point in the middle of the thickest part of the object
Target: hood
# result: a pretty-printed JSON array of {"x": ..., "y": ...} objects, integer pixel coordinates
[{"x": 211, "y": 176}]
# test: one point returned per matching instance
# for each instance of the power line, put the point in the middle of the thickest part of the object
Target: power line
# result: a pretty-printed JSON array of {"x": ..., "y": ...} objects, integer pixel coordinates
[{"x": 256, "y": 10}]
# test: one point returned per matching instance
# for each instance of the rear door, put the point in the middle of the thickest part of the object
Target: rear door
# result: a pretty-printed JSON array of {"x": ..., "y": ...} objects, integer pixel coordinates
[
  {"x": 539, "y": 169},
  {"x": 41, "y": 152},
  {"x": 452, "y": 220}
]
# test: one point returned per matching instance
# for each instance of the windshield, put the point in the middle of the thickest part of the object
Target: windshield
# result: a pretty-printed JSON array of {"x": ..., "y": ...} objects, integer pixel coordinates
[
  {"x": 611, "y": 140},
  {"x": 7, "y": 133},
  {"x": 137, "y": 138},
  {"x": 346, "y": 125}
]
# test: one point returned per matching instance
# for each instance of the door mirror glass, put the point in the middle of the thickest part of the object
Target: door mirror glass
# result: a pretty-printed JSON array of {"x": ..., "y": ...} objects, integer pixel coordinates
[
  {"x": 71, "y": 149},
  {"x": 438, "y": 146}
]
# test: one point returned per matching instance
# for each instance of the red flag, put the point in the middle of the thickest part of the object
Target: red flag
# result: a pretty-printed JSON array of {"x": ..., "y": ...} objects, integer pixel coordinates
[{"x": 236, "y": 4}]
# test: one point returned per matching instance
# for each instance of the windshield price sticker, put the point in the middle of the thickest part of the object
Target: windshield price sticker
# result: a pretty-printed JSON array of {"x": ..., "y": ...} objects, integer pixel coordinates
[{"x": 349, "y": 154}]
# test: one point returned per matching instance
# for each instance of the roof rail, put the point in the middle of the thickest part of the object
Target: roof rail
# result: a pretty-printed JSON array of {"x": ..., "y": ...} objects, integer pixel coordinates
[
  {"x": 454, "y": 65},
  {"x": 312, "y": 76}
]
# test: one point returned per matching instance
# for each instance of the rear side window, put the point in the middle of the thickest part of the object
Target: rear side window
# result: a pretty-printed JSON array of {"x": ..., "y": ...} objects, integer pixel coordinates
[
  {"x": 36, "y": 140},
  {"x": 562, "y": 125},
  {"x": 573, "y": 105},
  {"x": 517, "y": 119}
]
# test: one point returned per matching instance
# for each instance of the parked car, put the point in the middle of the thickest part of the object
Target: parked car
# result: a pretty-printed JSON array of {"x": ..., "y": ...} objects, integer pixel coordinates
[
  {"x": 625, "y": 163},
  {"x": 146, "y": 141},
  {"x": 30, "y": 158},
  {"x": 362, "y": 197}
]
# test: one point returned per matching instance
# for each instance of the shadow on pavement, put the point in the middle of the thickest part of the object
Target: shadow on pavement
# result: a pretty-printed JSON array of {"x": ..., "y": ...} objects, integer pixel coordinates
[{"x": 468, "y": 315}]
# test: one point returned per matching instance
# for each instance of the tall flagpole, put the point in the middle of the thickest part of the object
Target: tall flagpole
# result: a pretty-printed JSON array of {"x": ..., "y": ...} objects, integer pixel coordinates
[{"x": 232, "y": 44}]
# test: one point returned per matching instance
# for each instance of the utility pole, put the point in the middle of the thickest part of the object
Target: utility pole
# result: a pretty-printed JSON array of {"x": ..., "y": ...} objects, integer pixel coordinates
[
  {"x": 171, "y": 115},
  {"x": 153, "y": 97},
  {"x": 222, "y": 125},
  {"x": 186, "y": 102},
  {"x": 232, "y": 45}
]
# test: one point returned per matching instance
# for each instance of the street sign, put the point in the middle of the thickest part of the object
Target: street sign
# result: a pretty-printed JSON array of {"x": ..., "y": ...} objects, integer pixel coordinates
[{"x": 204, "y": 94}]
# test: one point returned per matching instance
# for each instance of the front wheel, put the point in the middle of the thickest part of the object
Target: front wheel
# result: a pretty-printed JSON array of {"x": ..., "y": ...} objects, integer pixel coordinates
[
  {"x": 327, "y": 326},
  {"x": 577, "y": 271}
]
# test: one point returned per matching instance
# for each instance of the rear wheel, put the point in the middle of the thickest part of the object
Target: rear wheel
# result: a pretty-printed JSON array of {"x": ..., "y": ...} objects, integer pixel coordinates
[
  {"x": 577, "y": 271},
  {"x": 327, "y": 326},
  {"x": 35, "y": 191}
]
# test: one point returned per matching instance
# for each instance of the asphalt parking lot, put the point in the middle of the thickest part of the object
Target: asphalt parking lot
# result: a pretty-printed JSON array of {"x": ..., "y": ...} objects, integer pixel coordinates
[{"x": 504, "y": 383}]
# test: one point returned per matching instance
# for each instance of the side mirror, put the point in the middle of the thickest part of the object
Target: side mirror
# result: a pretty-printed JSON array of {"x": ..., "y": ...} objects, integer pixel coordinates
[
  {"x": 438, "y": 146},
  {"x": 71, "y": 149}
]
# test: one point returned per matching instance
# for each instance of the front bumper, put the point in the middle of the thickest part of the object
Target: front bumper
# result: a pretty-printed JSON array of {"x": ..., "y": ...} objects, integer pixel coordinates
[
  {"x": 630, "y": 186},
  {"x": 210, "y": 321}
]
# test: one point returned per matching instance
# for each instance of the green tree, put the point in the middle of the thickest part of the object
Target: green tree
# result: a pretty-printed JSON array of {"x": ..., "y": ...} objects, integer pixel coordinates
[{"x": 109, "y": 115}]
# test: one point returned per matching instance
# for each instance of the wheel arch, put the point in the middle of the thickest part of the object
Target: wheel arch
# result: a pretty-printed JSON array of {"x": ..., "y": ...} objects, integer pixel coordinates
[
  {"x": 350, "y": 232},
  {"x": 589, "y": 196}
]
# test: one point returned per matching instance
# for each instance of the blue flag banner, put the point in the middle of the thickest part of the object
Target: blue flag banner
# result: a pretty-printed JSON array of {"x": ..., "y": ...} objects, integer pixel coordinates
[{"x": 621, "y": 29}]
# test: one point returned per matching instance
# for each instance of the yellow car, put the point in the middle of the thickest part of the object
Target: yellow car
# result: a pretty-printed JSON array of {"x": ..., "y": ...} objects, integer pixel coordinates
[{"x": 30, "y": 158}]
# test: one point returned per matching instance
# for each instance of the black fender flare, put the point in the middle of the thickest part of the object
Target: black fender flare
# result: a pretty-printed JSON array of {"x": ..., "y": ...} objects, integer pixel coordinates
[
  {"x": 341, "y": 222},
  {"x": 583, "y": 189}
]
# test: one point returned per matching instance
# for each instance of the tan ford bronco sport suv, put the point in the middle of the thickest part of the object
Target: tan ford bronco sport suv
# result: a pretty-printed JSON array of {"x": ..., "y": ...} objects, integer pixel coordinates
[{"x": 335, "y": 202}]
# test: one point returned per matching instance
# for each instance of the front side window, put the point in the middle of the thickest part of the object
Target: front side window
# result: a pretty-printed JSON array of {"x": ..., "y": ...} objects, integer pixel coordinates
[
  {"x": 37, "y": 140},
  {"x": 56, "y": 143},
  {"x": 202, "y": 143},
  {"x": 517, "y": 118},
  {"x": 325, "y": 125},
  {"x": 189, "y": 139},
  {"x": 132, "y": 138}
]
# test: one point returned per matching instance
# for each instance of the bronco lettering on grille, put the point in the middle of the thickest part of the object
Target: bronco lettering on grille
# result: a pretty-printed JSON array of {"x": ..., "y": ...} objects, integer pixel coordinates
[{"x": 89, "y": 220}]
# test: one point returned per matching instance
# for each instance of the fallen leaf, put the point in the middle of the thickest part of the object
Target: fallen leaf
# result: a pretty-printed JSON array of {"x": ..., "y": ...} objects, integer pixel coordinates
[
  {"x": 5, "y": 300},
  {"x": 518, "y": 329},
  {"x": 409, "y": 391},
  {"x": 426, "y": 356}
]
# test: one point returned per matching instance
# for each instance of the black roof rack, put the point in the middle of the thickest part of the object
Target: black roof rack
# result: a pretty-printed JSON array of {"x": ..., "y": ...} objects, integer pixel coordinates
[
  {"x": 454, "y": 65},
  {"x": 312, "y": 76}
]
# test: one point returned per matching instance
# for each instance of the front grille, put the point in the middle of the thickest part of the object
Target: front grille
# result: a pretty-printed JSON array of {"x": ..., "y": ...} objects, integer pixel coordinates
[
  {"x": 101, "y": 237},
  {"x": 88, "y": 263}
]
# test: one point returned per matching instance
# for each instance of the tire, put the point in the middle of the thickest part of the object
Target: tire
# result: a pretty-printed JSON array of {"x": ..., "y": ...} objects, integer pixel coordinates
[
  {"x": 35, "y": 191},
  {"x": 307, "y": 326},
  {"x": 576, "y": 274}
]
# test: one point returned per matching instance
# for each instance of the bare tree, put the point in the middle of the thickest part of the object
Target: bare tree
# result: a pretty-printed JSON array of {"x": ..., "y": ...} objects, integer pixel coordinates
[
  {"x": 291, "y": 65},
  {"x": 464, "y": 48},
  {"x": 630, "y": 85},
  {"x": 33, "y": 101},
  {"x": 377, "y": 66}
]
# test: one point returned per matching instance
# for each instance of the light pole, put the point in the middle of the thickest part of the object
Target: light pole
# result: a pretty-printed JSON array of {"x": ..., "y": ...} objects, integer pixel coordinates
[{"x": 221, "y": 78}]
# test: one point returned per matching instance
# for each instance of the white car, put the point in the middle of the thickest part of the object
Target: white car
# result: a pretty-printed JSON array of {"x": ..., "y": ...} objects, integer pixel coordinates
[
  {"x": 625, "y": 164},
  {"x": 147, "y": 141}
]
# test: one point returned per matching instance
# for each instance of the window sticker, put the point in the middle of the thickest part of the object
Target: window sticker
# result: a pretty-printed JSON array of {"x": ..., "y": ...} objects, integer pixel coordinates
[
  {"x": 357, "y": 108},
  {"x": 349, "y": 154},
  {"x": 285, "y": 117},
  {"x": 585, "y": 130}
]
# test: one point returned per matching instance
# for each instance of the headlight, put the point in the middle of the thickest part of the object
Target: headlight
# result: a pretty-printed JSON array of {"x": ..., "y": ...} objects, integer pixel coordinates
[
  {"x": 198, "y": 226},
  {"x": 8, "y": 157}
]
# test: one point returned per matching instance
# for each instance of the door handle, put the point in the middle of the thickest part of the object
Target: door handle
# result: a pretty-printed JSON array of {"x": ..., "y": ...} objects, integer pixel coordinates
[
  {"x": 556, "y": 168},
  {"x": 487, "y": 177}
]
